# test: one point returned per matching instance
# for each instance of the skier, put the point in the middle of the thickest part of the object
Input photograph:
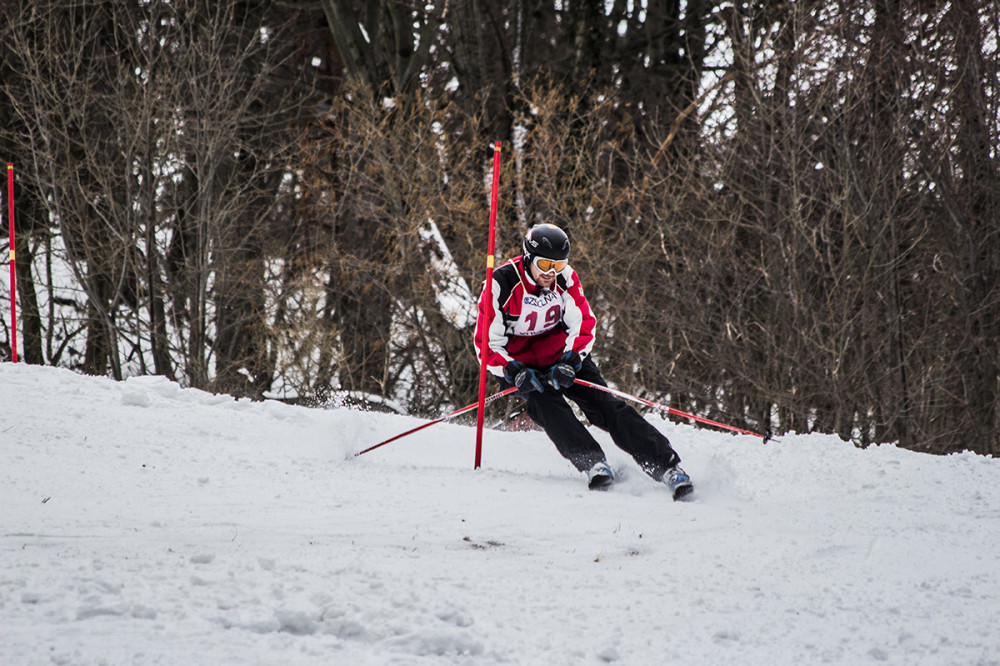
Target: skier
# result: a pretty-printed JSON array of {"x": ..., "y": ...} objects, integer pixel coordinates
[{"x": 540, "y": 339}]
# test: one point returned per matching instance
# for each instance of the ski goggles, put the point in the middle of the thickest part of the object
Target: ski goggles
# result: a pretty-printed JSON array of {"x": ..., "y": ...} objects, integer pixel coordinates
[{"x": 549, "y": 265}]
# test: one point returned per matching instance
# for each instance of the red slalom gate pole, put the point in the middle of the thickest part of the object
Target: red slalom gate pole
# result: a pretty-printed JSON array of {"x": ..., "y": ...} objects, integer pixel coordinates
[
  {"x": 669, "y": 410},
  {"x": 13, "y": 278},
  {"x": 487, "y": 290},
  {"x": 453, "y": 414}
]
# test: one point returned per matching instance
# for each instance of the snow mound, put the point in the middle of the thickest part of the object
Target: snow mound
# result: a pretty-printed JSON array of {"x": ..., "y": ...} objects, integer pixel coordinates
[{"x": 143, "y": 523}]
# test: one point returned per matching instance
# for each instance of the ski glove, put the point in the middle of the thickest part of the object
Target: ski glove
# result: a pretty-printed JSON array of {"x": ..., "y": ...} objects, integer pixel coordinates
[
  {"x": 525, "y": 379},
  {"x": 511, "y": 369},
  {"x": 562, "y": 374}
]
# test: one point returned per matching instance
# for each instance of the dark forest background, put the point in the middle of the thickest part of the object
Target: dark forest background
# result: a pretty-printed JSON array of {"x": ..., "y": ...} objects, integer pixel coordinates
[{"x": 785, "y": 214}]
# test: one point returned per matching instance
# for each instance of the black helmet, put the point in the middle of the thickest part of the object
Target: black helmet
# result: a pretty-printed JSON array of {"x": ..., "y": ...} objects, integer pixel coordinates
[{"x": 546, "y": 240}]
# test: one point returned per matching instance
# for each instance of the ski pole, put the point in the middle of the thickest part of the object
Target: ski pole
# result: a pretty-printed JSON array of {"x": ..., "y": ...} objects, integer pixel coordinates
[
  {"x": 669, "y": 410},
  {"x": 13, "y": 276},
  {"x": 487, "y": 289},
  {"x": 439, "y": 420}
]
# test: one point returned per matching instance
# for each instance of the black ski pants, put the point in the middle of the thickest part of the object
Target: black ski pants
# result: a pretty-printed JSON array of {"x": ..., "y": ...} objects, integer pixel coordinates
[{"x": 628, "y": 429}]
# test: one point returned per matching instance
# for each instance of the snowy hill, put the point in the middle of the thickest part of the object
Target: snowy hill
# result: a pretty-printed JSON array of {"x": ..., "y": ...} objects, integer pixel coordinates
[{"x": 141, "y": 523}]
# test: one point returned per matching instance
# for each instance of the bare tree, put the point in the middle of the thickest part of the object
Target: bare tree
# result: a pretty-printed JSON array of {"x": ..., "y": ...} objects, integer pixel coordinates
[
  {"x": 161, "y": 175},
  {"x": 784, "y": 213}
]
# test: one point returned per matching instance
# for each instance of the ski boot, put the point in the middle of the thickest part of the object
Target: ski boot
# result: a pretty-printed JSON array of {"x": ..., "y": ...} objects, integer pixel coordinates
[
  {"x": 600, "y": 477},
  {"x": 679, "y": 483}
]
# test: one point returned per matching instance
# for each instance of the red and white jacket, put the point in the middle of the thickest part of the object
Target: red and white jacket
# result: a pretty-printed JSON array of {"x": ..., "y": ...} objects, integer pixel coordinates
[{"x": 530, "y": 324}]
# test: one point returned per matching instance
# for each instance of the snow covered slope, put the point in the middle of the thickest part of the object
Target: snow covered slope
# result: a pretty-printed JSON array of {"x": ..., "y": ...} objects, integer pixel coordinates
[{"x": 141, "y": 523}]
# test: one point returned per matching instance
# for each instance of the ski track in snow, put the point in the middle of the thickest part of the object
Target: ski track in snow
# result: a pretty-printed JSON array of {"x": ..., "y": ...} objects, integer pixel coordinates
[{"x": 141, "y": 523}]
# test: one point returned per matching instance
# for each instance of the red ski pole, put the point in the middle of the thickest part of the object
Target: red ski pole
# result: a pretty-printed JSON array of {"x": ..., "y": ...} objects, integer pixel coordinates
[
  {"x": 488, "y": 290},
  {"x": 13, "y": 290},
  {"x": 669, "y": 410},
  {"x": 453, "y": 414}
]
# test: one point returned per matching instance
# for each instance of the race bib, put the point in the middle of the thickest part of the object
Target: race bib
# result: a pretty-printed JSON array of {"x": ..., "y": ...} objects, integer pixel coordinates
[{"x": 538, "y": 314}]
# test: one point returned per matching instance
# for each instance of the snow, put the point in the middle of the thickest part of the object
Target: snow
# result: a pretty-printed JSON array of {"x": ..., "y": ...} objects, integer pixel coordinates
[
  {"x": 142, "y": 523},
  {"x": 457, "y": 304}
]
